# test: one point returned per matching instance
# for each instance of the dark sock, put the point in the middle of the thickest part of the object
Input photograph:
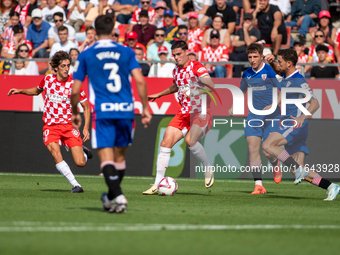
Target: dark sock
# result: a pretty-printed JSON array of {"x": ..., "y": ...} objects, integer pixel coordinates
[
  {"x": 257, "y": 174},
  {"x": 112, "y": 180},
  {"x": 121, "y": 174},
  {"x": 324, "y": 183},
  {"x": 274, "y": 163}
]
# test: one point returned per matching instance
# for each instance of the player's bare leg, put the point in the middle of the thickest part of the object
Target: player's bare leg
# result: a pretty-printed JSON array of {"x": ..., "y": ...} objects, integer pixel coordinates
[
  {"x": 63, "y": 167},
  {"x": 191, "y": 139},
  {"x": 296, "y": 163},
  {"x": 106, "y": 156},
  {"x": 79, "y": 156},
  {"x": 277, "y": 173},
  {"x": 171, "y": 136},
  {"x": 254, "y": 144}
]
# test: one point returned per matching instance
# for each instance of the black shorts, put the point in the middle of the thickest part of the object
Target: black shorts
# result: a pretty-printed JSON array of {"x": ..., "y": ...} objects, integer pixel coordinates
[{"x": 265, "y": 35}]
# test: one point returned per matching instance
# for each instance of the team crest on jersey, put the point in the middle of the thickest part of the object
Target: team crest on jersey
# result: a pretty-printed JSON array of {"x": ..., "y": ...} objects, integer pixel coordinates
[
  {"x": 264, "y": 76},
  {"x": 66, "y": 92},
  {"x": 187, "y": 76},
  {"x": 288, "y": 84},
  {"x": 248, "y": 77},
  {"x": 75, "y": 133}
]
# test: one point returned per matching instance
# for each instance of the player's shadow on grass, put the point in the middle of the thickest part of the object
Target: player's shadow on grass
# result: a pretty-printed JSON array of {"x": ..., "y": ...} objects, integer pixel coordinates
[
  {"x": 56, "y": 190},
  {"x": 285, "y": 197},
  {"x": 248, "y": 192},
  {"x": 95, "y": 209},
  {"x": 192, "y": 194}
]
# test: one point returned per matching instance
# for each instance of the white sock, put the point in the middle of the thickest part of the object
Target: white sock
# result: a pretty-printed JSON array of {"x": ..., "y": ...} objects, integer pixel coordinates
[
  {"x": 199, "y": 152},
  {"x": 258, "y": 182},
  {"x": 65, "y": 170},
  {"x": 85, "y": 155},
  {"x": 162, "y": 163}
]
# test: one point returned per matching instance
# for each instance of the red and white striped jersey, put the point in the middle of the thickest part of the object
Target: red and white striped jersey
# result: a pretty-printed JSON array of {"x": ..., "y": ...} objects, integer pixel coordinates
[
  {"x": 10, "y": 46},
  {"x": 302, "y": 58},
  {"x": 195, "y": 37},
  {"x": 312, "y": 53},
  {"x": 135, "y": 15},
  {"x": 186, "y": 78},
  {"x": 9, "y": 35},
  {"x": 57, "y": 106},
  {"x": 220, "y": 54}
]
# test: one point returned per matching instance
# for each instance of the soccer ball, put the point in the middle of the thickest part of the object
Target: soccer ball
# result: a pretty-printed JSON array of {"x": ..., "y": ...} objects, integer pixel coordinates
[{"x": 167, "y": 186}]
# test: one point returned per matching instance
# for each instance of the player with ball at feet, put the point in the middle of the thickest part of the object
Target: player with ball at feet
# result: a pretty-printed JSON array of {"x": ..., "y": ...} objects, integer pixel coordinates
[{"x": 189, "y": 122}]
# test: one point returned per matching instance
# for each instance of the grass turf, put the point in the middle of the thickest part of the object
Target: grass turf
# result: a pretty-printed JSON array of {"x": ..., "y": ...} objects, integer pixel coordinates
[{"x": 39, "y": 216}]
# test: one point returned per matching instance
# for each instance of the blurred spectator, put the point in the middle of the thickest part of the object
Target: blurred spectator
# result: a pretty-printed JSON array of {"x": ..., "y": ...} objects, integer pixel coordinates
[
  {"x": 8, "y": 51},
  {"x": 77, "y": 17},
  {"x": 30, "y": 67},
  {"x": 303, "y": 14},
  {"x": 215, "y": 52},
  {"x": 200, "y": 7},
  {"x": 90, "y": 39},
  {"x": 237, "y": 4},
  {"x": 195, "y": 34},
  {"x": 159, "y": 41},
  {"x": 159, "y": 17},
  {"x": 169, "y": 28},
  {"x": 145, "y": 7},
  {"x": 302, "y": 57},
  {"x": 132, "y": 42},
  {"x": 226, "y": 12},
  {"x": 192, "y": 56},
  {"x": 74, "y": 53},
  {"x": 63, "y": 4},
  {"x": 217, "y": 24},
  {"x": 324, "y": 72},
  {"x": 96, "y": 3},
  {"x": 183, "y": 35},
  {"x": 271, "y": 24},
  {"x": 64, "y": 44},
  {"x": 313, "y": 56},
  {"x": 53, "y": 31},
  {"x": 325, "y": 24},
  {"x": 49, "y": 11},
  {"x": 144, "y": 30},
  {"x": 244, "y": 36},
  {"x": 140, "y": 53},
  {"x": 24, "y": 8},
  {"x": 125, "y": 8},
  {"x": 5, "y": 9},
  {"x": 115, "y": 35},
  {"x": 37, "y": 34},
  {"x": 14, "y": 20},
  {"x": 96, "y": 11},
  {"x": 164, "y": 70},
  {"x": 284, "y": 6}
]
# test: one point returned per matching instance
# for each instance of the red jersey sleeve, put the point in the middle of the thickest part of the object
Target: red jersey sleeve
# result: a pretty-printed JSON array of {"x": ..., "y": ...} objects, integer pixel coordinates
[
  {"x": 203, "y": 58},
  {"x": 311, "y": 51},
  {"x": 199, "y": 69},
  {"x": 82, "y": 96},
  {"x": 330, "y": 54},
  {"x": 225, "y": 54},
  {"x": 42, "y": 84}
]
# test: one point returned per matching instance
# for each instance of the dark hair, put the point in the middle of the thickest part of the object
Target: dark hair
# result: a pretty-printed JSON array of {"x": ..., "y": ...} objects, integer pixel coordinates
[
  {"x": 289, "y": 55},
  {"x": 179, "y": 44},
  {"x": 255, "y": 47},
  {"x": 104, "y": 25},
  {"x": 17, "y": 29},
  {"x": 20, "y": 46},
  {"x": 322, "y": 48},
  {"x": 89, "y": 28},
  {"x": 2, "y": 7},
  {"x": 218, "y": 16},
  {"x": 182, "y": 27},
  {"x": 13, "y": 13},
  {"x": 319, "y": 30},
  {"x": 329, "y": 23},
  {"x": 58, "y": 57},
  {"x": 62, "y": 28},
  {"x": 159, "y": 29},
  {"x": 59, "y": 14},
  {"x": 75, "y": 50},
  {"x": 139, "y": 48}
]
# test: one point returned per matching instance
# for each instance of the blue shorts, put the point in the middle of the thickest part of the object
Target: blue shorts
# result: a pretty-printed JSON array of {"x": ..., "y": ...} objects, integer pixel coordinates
[
  {"x": 296, "y": 147},
  {"x": 112, "y": 133},
  {"x": 261, "y": 126}
]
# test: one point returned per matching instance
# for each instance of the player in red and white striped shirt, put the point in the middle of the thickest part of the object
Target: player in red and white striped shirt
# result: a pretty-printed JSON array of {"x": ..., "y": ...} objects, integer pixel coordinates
[
  {"x": 57, "y": 115},
  {"x": 193, "y": 119},
  {"x": 215, "y": 52}
]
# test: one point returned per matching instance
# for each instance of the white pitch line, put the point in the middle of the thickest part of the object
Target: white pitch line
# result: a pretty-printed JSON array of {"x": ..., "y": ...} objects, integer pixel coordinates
[
  {"x": 151, "y": 227},
  {"x": 139, "y": 178}
]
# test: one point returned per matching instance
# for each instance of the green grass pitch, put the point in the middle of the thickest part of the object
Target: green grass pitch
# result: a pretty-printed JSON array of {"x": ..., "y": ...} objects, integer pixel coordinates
[{"x": 39, "y": 216}]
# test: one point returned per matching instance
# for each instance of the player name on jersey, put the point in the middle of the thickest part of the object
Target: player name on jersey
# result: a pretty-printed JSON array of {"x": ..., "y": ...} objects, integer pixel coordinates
[{"x": 108, "y": 55}]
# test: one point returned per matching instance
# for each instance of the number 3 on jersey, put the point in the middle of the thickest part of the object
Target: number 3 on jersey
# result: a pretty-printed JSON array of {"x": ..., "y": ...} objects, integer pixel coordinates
[{"x": 116, "y": 87}]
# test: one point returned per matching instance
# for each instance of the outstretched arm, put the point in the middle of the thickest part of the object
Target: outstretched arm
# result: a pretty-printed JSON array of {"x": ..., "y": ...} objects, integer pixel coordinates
[
  {"x": 172, "y": 89},
  {"x": 28, "y": 92}
]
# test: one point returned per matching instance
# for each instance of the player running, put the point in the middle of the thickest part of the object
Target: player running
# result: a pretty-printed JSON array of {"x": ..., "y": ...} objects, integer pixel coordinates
[
  {"x": 189, "y": 122},
  {"x": 57, "y": 117},
  {"x": 261, "y": 78},
  {"x": 108, "y": 66},
  {"x": 294, "y": 138}
]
